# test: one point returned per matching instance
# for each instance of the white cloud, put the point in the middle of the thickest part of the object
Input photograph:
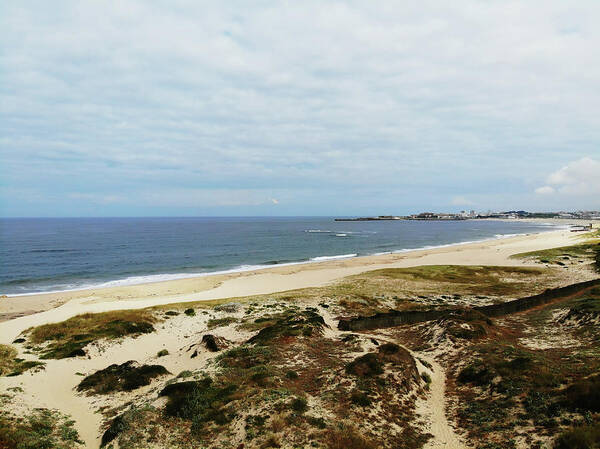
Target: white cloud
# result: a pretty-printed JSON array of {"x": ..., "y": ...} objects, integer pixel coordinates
[
  {"x": 545, "y": 190},
  {"x": 577, "y": 178}
]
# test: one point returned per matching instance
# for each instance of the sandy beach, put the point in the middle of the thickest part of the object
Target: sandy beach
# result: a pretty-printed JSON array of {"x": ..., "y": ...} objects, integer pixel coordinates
[{"x": 22, "y": 312}]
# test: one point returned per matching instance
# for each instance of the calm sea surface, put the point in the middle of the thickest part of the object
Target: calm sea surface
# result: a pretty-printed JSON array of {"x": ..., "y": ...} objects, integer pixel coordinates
[{"x": 49, "y": 254}]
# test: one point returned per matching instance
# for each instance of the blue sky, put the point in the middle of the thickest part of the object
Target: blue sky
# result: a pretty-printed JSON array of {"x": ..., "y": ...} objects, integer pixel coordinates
[{"x": 130, "y": 108}]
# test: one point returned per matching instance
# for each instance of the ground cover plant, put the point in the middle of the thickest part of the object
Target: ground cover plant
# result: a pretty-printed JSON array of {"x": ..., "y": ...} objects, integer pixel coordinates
[
  {"x": 11, "y": 365},
  {"x": 125, "y": 377},
  {"x": 588, "y": 252},
  {"x": 288, "y": 384},
  {"x": 505, "y": 389},
  {"x": 40, "y": 429},
  {"x": 69, "y": 338}
]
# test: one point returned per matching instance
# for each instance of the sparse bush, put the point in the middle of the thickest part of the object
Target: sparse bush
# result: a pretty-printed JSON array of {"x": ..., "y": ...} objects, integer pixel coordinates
[
  {"x": 359, "y": 398},
  {"x": 365, "y": 366},
  {"x": 162, "y": 353},
  {"x": 291, "y": 374},
  {"x": 389, "y": 348},
  {"x": 299, "y": 405},
  {"x": 316, "y": 422},
  {"x": 42, "y": 429},
  {"x": 190, "y": 312},
  {"x": 347, "y": 437},
  {"x": 198, "y": 401}
]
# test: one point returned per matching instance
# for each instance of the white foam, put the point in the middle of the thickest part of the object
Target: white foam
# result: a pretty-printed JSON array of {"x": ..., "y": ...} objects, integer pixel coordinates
[{"x": 340, "y": 256}]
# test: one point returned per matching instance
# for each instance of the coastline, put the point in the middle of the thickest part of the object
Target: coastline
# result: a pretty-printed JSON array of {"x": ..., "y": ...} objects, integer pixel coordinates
[
  {"x": 156, "y": 278},
  {"x": 22, "y": 312}
]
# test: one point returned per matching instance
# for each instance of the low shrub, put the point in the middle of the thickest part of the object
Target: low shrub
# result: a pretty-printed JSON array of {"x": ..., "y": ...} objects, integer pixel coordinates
[
  {"x": 125, "y": 377},
  {"x": 365, "y": 366},
  {"x": 583, "y": 437},
  {"x": 199, "y": 402},
  {"x": 584, "y": 394},
  {"x": 359, "y": 398},
  {"x": 299, "y": 405}
]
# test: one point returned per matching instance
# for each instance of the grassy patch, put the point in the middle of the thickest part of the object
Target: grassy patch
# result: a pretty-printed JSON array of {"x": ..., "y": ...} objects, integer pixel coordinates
[
  {"x": 220, "y": 322},
  {"x": 11, "y": 365},
  {"x": 41, "y": 429},
  {"x": 582, "y": 437},
  {"x": 69, "y": 338},
  {"x": 589, "y": 251},
  {"x": 124, "y": 377}
]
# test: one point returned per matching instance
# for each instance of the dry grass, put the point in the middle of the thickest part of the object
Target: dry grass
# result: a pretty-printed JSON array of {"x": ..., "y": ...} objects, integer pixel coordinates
[{"x": 11, "y": 365}]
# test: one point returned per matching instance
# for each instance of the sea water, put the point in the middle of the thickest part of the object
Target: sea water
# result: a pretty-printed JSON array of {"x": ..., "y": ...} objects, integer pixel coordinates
[{"x": 55, "y": 254}]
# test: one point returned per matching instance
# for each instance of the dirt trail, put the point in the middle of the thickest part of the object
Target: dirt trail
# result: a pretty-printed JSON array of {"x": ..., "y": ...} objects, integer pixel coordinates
[{"x": 433, "y": 409}]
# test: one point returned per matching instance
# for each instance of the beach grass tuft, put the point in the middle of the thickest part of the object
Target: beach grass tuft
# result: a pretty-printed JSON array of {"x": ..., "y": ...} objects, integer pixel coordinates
[{"x": 11, "y": 365}]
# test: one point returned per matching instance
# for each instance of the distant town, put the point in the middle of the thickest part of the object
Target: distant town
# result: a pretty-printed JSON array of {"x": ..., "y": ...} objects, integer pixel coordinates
[{"x": 470, "y": 215}]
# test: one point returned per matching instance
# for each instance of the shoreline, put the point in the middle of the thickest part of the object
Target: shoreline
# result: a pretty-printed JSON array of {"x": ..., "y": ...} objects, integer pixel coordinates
[
  {"x": 22, "y": 312},
  {"x": 246, "y": 268}
]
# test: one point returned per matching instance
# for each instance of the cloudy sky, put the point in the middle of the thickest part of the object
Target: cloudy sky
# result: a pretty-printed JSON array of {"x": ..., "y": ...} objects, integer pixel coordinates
[{"x": 298, "y": 108}]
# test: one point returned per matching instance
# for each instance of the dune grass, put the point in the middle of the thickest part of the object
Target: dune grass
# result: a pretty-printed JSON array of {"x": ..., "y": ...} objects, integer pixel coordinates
[
  {"x": 11, "y": 365},
  {"x": 589, "y": 251},
  {"x": 69, "y": 338},
  {"x": 42, "y": 428}
]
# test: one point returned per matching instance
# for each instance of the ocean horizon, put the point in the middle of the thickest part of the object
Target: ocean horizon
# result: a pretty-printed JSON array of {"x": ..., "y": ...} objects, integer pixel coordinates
[{"x": 59, "y": 254}]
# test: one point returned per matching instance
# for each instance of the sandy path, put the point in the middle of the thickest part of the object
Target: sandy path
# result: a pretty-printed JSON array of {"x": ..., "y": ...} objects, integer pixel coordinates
[{"x": 433, "y": 409}]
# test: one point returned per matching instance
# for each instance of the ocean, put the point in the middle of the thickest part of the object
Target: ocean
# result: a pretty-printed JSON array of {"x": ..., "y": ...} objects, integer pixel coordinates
[{"x": 55, "y": 254}]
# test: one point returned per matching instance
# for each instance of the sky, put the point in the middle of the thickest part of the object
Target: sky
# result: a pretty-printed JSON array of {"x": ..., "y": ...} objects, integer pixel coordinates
[{"x": 196, "y": 108}]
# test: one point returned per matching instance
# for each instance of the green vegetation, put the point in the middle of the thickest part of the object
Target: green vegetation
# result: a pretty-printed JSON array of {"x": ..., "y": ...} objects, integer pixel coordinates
[
  {"x": 162, "y": 353},
  {"x": 190, "y": 312},
  {"x": 199, "y": 401},
  {"x": 220, "y": 322},
  {"x": 42, "y": 429},
  {"x": 584, "y": 395},
  {"x": 125, "y": 377},
  {"x": 11, "y": 365},
  {"x": 299, "y": 405},
  {"x": 69, "y": 338}
]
